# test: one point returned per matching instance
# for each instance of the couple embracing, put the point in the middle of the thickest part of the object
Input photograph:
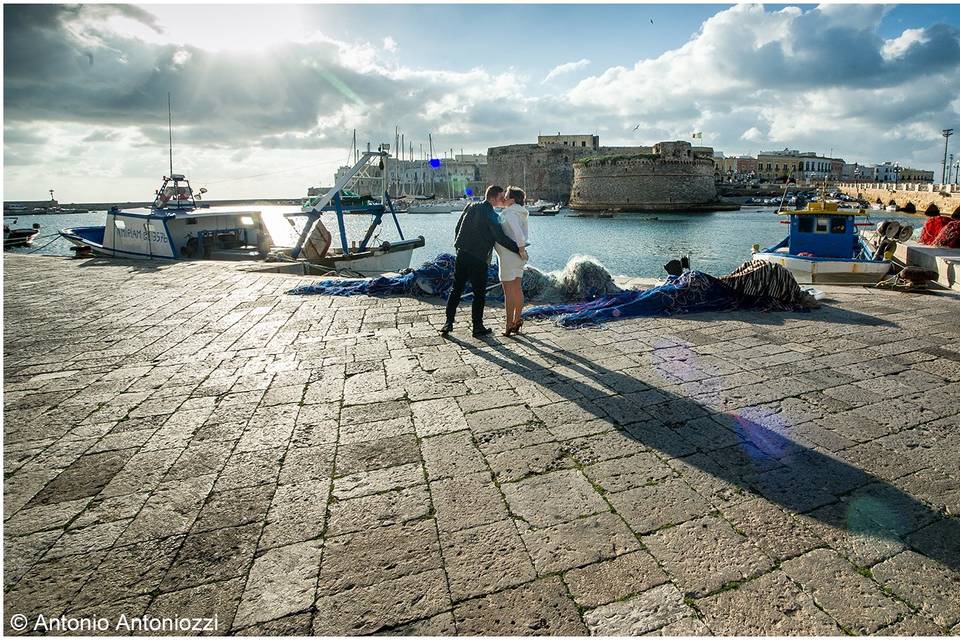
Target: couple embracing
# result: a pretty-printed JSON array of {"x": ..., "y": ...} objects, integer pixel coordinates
[{"x": 479, "y": 231}]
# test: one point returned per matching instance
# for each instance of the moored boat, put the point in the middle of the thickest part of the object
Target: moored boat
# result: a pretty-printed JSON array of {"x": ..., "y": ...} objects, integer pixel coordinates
[
  {"x": 19, "y": 237},
  {"x": 824, "y": 246},
  {"x": 174, "y": 227}
]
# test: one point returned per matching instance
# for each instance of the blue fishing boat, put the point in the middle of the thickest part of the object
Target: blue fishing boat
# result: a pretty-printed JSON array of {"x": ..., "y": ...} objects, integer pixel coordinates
[{"x": 825, "y": 246}]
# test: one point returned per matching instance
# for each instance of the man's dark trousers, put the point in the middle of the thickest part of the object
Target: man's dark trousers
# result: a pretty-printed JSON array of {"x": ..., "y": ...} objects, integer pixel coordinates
[{"x": 469, "y": 268}]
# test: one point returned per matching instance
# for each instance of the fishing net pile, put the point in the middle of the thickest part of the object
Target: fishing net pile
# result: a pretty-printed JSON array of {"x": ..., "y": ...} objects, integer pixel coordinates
[
  {"x": 584, "y": 278},
  {"x": 753, "y": 285}
]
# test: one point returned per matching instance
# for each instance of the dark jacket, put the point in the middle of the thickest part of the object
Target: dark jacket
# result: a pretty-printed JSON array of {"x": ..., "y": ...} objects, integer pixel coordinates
[{"x": 479, "y": 229}]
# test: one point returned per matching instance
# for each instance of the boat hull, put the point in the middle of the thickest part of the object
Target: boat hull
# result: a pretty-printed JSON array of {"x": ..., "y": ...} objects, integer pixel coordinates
[
  {"x": 387, "y": 258},
  {"x": 807, "y": 270}
]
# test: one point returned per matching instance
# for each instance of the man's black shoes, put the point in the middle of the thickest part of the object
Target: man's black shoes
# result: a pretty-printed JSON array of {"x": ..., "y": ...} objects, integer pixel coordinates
[
  {"x": 479, "y": 332},
  {"x": 446, "y": 328}
]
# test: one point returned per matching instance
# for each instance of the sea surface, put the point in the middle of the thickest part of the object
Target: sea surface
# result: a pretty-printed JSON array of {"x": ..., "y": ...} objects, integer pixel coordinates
[{"x": 635, "y": 245}]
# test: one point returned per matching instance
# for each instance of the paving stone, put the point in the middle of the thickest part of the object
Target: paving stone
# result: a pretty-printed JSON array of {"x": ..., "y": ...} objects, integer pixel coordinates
[
  {"x": 631, "y": 472},
  {"x": 297, "y": 513},
  {"x": 20, "y": 553},
  {"x": 100, "y": 511},
  {"x": 705, "y": 554},
  {"x": 577, "y": 543},
  {"x": 553, "y": 498},
  {"x": 281, "y": 582},
  {"x": 379, "y": 510},
  {"x": 382, "y": 429},
  {"x": 770, "y": 528},
  {"x": 451, "y": 455},
  {"x": 640, "y": 614},
  {"x": 541, "y": 607},
  {"x": 365, "y": 483},
  {"x": 614, "y": 579},
  {"x": 683, "y": 627},
  {"x": 929, "y": 587},
  {"x": 653, "y": 506},
  {"x": 217, "y": 600},
  {"x": 49, "y": 587},
  {"x": 500, "y": 418},
  {"x": 528, "y": 435},
  {"x": 247, "y": 469},
  {"x": 128, "y": 571},
  {"x": 852, "y": 533},
  {"x": 851, "y": 599},
  {"x": 95, "y": 537},
  {"x": 913, "y": 625},
  {"x": 485, "y": 559},
  {"x": 235, "y": 507},
  {"x": 434, "y": 417},
  {"x": 769, "y": 605},
  {"x": 517, "y": 464},
  {"x": 363, "y": 558},
  {"x": 52, "y": 516},
  {"x": 467, "y": 501},
  {"x": 84, "y": 478},
  {"x": 363, "y": 610},
  {"x": 376, "y": 454},
  {"x": 441, "y": 624},
  {"x": 298, "y": 624},
  {"x": 171, "y": 509},
  {"x": 213, "y": 556}
]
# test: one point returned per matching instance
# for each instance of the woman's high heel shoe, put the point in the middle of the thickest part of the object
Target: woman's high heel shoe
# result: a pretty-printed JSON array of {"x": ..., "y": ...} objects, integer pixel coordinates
[{"x": 513, "y": 329}]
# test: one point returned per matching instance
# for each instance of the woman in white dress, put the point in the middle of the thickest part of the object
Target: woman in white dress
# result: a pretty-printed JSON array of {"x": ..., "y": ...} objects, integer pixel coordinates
[{"x": 514, "y": 221}]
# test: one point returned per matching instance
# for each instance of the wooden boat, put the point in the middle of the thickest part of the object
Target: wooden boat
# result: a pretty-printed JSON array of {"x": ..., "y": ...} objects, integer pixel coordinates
[{"x": 824, "y": 246}]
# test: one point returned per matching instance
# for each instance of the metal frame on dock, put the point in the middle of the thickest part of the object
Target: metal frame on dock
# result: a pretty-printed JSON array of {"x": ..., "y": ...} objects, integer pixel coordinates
[{"x": 331, "y": 201}]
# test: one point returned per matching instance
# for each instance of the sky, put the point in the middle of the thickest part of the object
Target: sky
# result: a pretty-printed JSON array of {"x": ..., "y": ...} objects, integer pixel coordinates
[{"x": 265, "y": 98}]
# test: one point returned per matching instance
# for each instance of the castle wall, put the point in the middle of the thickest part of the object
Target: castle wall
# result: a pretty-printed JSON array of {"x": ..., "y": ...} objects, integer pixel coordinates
[{"x": 643, "y": 183}]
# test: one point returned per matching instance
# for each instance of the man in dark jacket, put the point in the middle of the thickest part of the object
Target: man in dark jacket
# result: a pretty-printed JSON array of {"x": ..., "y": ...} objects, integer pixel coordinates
[{"x": 477, "y": 231}]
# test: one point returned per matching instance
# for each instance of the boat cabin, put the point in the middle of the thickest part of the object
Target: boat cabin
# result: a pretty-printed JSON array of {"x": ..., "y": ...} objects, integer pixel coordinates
[
  {"x": 824, "y": 234},
  {"x": 175, "y": 194}
]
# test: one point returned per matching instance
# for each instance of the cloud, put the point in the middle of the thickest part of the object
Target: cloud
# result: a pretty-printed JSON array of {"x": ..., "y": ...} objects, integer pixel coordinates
[
  {"x": 749, "y": 78},
  {"x": 567, "y": 67}
]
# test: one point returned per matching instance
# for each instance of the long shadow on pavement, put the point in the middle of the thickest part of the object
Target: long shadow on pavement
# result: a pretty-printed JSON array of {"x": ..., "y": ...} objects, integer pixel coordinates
[{"x": 759, "y": 460}]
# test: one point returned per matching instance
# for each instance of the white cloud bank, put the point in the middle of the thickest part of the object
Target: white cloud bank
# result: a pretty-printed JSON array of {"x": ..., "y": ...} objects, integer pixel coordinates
[
  {"x": 563, "y": 69},
  {"x": 83, "y": 99}
]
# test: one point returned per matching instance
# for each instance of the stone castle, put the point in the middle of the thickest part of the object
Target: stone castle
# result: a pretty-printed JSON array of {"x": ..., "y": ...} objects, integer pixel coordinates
[
  {"x": 576, "y": 169},
  {"x": 672, "y": 176}
]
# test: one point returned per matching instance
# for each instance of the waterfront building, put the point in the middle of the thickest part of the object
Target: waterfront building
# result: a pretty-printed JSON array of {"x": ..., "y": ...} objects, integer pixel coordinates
[
  {"x": 451, "y": 178},
  {"x": 579, "y": 141},
  {"x": 791, "y": 164}
]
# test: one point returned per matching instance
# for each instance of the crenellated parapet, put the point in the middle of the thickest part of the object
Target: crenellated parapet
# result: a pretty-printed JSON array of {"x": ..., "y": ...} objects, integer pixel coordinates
[{"x": 907, "y": 197}]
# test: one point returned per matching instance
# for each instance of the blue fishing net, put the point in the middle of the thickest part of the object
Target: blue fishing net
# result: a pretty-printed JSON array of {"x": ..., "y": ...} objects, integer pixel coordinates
[
  {"x": 432, "y": 278},
  {"x": 691, "y": 292}
]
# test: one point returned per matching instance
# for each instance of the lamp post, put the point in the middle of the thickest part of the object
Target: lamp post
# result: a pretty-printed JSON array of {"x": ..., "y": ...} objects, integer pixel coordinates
[{"x": 946, "y": 142}]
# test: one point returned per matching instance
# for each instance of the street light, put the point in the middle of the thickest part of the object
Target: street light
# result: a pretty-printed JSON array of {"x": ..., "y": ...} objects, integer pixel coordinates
[{"x": 946, "y": 141}]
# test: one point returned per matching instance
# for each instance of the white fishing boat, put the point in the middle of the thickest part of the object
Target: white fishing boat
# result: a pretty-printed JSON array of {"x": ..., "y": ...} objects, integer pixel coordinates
[
  {"x": 539, "y": 206},
  {"x": 824, "y": 246},
  {"x": 175, "y": 227},
  {"x": 437, "y": 206}
]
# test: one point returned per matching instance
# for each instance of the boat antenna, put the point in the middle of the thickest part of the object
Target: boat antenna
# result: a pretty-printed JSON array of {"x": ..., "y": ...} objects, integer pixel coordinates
[{"x": 170, "y": 131}]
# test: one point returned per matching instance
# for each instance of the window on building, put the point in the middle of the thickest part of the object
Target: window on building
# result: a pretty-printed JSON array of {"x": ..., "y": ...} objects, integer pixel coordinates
[{"x": 583, "y": 144}]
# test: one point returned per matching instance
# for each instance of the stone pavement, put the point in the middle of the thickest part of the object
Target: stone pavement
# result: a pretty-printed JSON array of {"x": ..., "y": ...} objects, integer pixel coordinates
[{"x": 187, "y": 440}]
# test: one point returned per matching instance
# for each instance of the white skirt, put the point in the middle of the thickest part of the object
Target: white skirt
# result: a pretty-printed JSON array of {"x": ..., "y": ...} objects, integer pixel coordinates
[{"x": 511, "y": 264}]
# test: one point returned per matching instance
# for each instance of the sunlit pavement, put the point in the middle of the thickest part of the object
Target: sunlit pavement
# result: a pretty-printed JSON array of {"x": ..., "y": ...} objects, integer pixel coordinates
[{"x": 188, "y": 441}]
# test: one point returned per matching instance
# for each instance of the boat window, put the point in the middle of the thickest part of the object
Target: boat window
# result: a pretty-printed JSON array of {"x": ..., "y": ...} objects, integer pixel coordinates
[
  {"x": 119, "y": 224},
  {"x": 805, "y": 224},
  {"x": 838, "y": 225},
  {"x": 823, "y": 225}
]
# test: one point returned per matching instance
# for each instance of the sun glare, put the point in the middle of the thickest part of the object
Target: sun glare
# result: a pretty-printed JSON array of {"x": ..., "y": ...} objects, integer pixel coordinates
[{"x": 240, "y": 28}]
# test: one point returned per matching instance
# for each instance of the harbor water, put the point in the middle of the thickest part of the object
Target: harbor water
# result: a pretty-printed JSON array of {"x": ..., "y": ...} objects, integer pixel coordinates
[{"x": 636, "y": 245}]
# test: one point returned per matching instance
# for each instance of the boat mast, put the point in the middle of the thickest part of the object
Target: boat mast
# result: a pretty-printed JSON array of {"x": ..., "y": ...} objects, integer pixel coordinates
[
  {"x": 170, "y": 130},
  {"x": 430, "y": 140}
]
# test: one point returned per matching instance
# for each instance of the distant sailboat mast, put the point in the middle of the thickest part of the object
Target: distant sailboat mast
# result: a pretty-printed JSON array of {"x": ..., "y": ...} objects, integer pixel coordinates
[{"x": 170, "y": 130}]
